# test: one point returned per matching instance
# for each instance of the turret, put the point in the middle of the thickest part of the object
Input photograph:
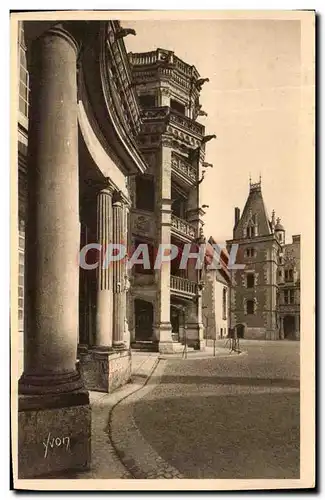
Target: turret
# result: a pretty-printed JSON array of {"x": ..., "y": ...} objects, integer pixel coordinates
[{"x": 279, "y": 231}]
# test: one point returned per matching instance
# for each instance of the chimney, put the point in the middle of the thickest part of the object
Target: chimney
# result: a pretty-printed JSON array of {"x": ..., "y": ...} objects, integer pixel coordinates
[
  {"x": 296, "y": 238},
  {"x": 237, "y": 215}
]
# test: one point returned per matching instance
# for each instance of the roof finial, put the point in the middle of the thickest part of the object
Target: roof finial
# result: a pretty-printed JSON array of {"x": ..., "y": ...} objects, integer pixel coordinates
[
  {"x": 250, "y": 179},
  {"x": 260, "y": 178}
]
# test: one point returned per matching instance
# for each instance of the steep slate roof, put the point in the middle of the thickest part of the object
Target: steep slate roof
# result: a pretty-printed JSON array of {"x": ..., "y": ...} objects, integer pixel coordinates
[{"x": 255, "y": 204}]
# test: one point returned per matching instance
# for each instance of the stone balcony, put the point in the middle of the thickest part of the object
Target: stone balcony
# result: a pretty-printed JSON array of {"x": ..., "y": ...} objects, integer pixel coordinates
[
  {"x": 183, "y": 286},
  {"x": 183, "y": 169},
  {"x": 182, "y": 228},
  {"x": 162, "y": 57},
  {"x": 164, "y": 120}
]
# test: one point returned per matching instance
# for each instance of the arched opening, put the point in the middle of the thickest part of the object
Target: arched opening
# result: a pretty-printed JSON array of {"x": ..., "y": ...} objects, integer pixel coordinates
[
  {"x": 289, "y": 327},
  {"x": 143, "y": 312},
  {"x": 240, "y": 330}
]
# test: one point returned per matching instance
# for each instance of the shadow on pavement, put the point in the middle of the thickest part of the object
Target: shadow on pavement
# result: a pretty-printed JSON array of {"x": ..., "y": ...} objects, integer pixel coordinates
[{"x": 211, "y": 380}]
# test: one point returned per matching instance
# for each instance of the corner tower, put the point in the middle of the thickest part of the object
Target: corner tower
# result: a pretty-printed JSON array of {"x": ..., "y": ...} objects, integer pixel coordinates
[{"x": 253, "y": 294}]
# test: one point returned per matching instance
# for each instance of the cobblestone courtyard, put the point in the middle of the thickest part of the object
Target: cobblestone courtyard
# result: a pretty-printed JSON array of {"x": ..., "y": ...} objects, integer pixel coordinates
[{"x": 224, "y": 417}]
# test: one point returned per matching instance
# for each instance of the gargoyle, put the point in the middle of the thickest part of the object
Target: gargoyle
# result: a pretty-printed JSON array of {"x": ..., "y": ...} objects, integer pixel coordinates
[
  {"x": 208, "y": 138},
  {"x": 124, "y": 32},
  {"x": 202, "y": 178},
  {"x": 199, "y": 83},
  {"x": 207, "y": 165},
  {"x": 201, "y": 112}
]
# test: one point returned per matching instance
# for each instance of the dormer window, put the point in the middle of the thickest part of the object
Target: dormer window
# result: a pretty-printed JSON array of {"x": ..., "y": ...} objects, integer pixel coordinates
[
  {"x": 250, "y": 232},
  {"x": 288, "y": 275}
]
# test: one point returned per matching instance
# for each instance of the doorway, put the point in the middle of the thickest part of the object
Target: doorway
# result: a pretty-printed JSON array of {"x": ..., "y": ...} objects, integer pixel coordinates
[
  {"x": 143, "y": 312},
  {"x": 289, "y": 327}
]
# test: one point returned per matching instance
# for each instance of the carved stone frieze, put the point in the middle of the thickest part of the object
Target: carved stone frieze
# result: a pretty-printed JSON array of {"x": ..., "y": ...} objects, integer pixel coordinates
[{"x": 142, "y": 224}]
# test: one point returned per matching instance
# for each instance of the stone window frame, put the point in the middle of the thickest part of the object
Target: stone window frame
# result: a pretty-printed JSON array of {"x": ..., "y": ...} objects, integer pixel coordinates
[
  {"x": 255, "y": 303},
  {"x": 289, "y": 275},
  {"x": 250, "y": 252},
  {"x": 250, "y": 273},
  {"x": 254, "y": 300},
  {"x": 290, "y": 294}
]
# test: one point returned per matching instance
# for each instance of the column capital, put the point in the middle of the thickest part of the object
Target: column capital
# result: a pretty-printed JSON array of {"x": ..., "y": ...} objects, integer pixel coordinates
[{"x": 63, "y": 31}]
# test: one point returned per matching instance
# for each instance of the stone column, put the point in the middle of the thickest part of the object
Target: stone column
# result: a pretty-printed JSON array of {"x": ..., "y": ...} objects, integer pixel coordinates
[
  {"x": 52, "y": 401},
  {"x": 163, "y": 327},
  {"x": 119, "y": 270},
  {"x": 127, "y": 284},
  {"x": 104, "y": 323}
]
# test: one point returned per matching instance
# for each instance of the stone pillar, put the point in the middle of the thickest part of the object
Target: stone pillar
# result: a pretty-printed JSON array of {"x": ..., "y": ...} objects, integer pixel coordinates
[
  {"x": 104, "y": 322},
  {"x": 52, "y": 402},
  {"x": 127, "y": 284},
  {"x": 164, "y": 97},
  {"x": 119, "y": 271},
  {"x": 163, "y": 327},
  {"x": 281, "y": 328},
  {"x": 107, "y": 365}
]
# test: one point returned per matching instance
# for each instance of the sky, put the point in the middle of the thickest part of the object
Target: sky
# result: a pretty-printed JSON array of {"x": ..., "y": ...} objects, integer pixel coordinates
[{"x": 253, "y": 103}]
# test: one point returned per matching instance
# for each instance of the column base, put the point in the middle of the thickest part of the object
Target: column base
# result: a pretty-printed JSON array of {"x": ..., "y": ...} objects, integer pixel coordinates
[
  {"x": 54, "y": 434},
  {"x": 163, "y": 333},
  {"x": 105, "y": 371},
  {"x": 195, "y": 336},
  {"x": 50, "y": 383},
  {"x": 166, "y": 347}
]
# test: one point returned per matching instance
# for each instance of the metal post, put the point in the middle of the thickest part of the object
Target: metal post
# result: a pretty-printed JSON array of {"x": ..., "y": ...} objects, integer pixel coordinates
[{"x": 185, "y": 344}]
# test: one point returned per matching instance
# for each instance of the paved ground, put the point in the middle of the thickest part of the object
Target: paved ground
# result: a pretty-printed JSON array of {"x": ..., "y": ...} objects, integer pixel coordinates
[{"x": 225, "y": 417}]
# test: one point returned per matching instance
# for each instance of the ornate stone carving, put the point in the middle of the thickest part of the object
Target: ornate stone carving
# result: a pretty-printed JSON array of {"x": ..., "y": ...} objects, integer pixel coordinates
[
  {"x": 165, "y": 91},
  {"x": 184, "y": 168},
  {"x": 183, "y": 227}
]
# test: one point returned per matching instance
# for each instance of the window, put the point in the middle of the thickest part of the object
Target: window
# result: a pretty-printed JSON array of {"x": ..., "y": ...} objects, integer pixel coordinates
[
  {"x": 21, "y": 252},
  {"x": 221, "y": 333},
  {"x": 250, "y": 252},
  {"x": 288, "y": 275},
  {"x": 289, "y": 296},
  {"x": 23, "y": 74},
  {"x": 145, "y": 193},
  {"x": 250, "y": 232},
  {"x": 280, "y": 260},
  {"x": 280, "y": 274},
  {"x": 177, "y": 106},
  {"x": 147, "y": 101},
  {"x": 250, "y": 307},
  {"x": 224, "y": 303},
  {"x": 250, "y": 281}
]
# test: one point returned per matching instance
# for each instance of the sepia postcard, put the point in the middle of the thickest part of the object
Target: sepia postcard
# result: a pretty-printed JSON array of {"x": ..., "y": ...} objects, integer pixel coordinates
[{"x": 163, "y": 250}]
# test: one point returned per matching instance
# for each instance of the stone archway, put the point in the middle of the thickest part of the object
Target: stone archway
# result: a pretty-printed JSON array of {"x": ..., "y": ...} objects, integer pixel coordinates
[{"x": 289, "y": 327}]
